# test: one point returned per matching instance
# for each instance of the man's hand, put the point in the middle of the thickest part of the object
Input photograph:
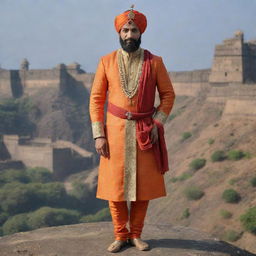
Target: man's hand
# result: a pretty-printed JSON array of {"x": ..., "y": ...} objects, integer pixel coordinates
[
  {"x": 101, "y": 145},
  {"x": 154, "y": 134}
]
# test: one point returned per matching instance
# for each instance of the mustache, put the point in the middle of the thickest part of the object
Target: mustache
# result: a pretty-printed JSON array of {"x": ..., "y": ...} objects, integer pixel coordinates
[{"x": 130, "y": 44}]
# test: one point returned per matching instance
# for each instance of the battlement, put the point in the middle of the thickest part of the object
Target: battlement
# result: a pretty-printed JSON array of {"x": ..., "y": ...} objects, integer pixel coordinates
[{"x": 234, "y": 61}]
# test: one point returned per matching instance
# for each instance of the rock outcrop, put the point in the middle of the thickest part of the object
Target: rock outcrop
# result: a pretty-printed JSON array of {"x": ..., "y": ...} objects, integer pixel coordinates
[{"x": 92, "y": 239}]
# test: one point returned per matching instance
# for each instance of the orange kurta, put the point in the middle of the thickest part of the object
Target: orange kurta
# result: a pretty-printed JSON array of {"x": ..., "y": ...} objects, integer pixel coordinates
[{"x": 115, "y": 171}]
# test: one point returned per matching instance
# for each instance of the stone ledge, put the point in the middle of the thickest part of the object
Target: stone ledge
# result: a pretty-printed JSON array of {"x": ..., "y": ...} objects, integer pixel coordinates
[{"x": 92, "y": 239}]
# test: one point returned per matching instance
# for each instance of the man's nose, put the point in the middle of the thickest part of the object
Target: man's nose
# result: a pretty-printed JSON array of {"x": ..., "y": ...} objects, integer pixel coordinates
[{"x": 129, "y": 34}]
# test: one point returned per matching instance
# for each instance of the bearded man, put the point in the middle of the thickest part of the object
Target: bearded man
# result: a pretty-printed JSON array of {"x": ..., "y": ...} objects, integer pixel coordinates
[{"x": 131, "y": 141}]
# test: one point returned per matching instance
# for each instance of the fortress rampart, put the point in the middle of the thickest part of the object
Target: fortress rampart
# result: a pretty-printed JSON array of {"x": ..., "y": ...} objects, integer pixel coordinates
[
  {"x": 232, "y": 75},
  {"x": 60, "y": 157}
]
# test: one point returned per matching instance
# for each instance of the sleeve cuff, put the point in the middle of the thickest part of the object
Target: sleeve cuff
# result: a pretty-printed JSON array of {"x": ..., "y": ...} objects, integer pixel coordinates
[
  {"x": 161, "y": 117},
  {"x": 98, "y": 130}
]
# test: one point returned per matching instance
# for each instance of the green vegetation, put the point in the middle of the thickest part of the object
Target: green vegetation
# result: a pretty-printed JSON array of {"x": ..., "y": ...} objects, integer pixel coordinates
[
  {"x": 185, "y": 214},
  {"x": 253, "y": 181},
  {"x": 248, "y": 220},
  {"x": 211, "y": 141},
  {"x": 233, "y": 181},
  {"x": 235, "y": 154},
  {"x": 185, "y": 135},
  {"x": 17, "y": 223},
  {"x": 48, "y": 217},
  {"x": 225, "y": 214},
  {"x": 14, "y": 116},
  {"x": 182, "y": 177},
  {"x": 30, "y": 199},
  {"x": 218, "y": 156},
  {"x": 231, "y": 196},
  {"x": 193, "y": 193},
  {"x": 102, "y": 215},
  {"x": 232, "y": 235},
  {"x": 197, "y": 164},
  {"x": 43, "y": 217}
]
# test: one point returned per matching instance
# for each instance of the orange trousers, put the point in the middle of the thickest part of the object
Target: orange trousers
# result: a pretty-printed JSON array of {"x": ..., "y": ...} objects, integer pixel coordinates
[{"x": 120, "y": 217}]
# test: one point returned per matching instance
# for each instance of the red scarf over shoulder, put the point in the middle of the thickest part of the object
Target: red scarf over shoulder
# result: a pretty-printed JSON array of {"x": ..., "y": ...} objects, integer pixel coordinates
[{"x": 146, "y": 98}]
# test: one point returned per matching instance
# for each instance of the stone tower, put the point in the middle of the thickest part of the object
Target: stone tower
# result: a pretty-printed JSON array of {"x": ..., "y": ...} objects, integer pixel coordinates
[
  {"x": 24, "y": 65},
  {"x": 228, "y": 60},
  {"x": 234, "y": 61}
]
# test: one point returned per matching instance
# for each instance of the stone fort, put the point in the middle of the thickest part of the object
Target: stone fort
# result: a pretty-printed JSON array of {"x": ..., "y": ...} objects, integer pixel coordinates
[
  {"x": 230, "y": 82},
  {"x": 234, "y": 63}
]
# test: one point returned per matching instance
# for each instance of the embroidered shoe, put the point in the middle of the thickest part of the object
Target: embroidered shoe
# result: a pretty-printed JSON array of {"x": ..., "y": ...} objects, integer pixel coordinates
[
  {"x": 116, "y": 246},
  {"x": 141, "y": 245}
]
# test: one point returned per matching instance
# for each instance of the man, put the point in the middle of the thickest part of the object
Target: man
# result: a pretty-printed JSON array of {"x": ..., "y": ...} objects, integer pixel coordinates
[{"x": 131, "y": 143}]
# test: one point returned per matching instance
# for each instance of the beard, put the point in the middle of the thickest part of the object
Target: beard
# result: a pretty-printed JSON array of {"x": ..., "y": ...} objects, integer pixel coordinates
[{"x": 130, "y": 45}]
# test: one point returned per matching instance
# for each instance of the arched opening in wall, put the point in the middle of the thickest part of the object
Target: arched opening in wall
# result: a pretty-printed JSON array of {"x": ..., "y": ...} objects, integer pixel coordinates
[{"x": 226, "y": 74}]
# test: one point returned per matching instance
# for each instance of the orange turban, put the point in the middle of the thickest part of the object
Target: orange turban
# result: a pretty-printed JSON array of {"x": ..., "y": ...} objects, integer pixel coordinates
[{"x": 131, "y": 15}]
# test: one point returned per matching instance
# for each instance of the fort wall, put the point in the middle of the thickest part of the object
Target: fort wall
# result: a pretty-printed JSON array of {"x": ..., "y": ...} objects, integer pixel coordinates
[
  {"x": 5, "y": 84},
  {"x": 60, "y": 157},
  {"x": 190, "y": 83}
]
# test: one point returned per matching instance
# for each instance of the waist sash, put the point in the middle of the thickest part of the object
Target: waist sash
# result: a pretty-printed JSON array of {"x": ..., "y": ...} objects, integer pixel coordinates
[{"x": 143, "y": 132}]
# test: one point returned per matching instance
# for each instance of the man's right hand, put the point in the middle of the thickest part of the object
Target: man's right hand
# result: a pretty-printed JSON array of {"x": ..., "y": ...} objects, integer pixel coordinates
[{"x": 101, "y": 145}]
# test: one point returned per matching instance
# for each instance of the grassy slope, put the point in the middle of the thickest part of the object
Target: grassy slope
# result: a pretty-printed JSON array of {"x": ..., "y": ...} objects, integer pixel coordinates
[{"x": 203, "y": 120}]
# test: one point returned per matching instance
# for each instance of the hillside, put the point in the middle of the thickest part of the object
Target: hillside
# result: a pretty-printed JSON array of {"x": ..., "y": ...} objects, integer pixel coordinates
[{"x": 210, "y": 131}]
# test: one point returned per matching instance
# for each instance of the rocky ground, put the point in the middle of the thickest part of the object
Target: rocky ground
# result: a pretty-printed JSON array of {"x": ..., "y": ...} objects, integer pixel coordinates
[{"x": 92, "y": 239}]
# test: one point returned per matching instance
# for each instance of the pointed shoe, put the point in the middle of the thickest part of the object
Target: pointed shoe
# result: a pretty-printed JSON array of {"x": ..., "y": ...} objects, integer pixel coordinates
[
  {"x": 141, "y": 245},
  {"x": 116, "y": 246}
]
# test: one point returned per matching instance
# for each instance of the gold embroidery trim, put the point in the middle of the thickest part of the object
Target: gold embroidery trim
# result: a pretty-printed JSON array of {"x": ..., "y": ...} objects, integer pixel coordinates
[
  {"x": 130, "y": 164},
  {"x": 130, "y": 78},
  {"x": 98, "y": 129},
  {"x": 161, "y": 117}
]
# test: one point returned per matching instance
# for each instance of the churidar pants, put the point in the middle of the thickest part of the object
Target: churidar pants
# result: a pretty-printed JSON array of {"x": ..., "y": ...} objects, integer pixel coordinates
[{"x": 120, "y": 217}]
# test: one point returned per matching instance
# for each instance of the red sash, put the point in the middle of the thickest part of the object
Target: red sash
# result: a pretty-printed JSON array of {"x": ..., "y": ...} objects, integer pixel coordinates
[{"x": 146, "y": 98}]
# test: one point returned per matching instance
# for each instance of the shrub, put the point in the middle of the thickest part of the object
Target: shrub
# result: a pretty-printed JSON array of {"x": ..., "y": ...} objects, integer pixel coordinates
[
  {"x": 225, "y": 214},
  {"x": 53, "y": 194},
  {"x": 193, "y": 193},
  {"x": 14, "y": 116},
  {"x": 233, "y": 181},
  {"x": 185, "y": 135},
  {"x": 231, "y": 196},
  {"x": 48, "y": 217},
  {"x": 218, "y": 156},
  {"x": 17, "y": 223},
  {"x": 248, "y": 220},
  {"x": 197, "y": 164},
  {"x": 185, "y": 214},
  {"x": 12, "y": 175},
  {"x": 102, "y": 215},
  {"x": 232, "y": 235},
  {"x": 235, "y": 154},
  {"x": 253, "y": 181},
  {"x": 3, "y": 217},
  {"x": 184, "y": 176},
  {"x": 39, "y": 174},
  {"x": 80, "y": 191},
  {"x": 211, "y": 141},
  {"x": 174, "y": 179},
  {"x": 16, "y": 198}
]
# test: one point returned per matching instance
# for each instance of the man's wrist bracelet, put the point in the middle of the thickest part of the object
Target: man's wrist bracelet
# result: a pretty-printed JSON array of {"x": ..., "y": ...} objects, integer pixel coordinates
[{"x": 100, "y": 137}]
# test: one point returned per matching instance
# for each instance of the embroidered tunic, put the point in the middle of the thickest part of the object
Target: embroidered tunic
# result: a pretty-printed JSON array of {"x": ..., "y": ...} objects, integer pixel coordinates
[{"x": 130, "y": 173}]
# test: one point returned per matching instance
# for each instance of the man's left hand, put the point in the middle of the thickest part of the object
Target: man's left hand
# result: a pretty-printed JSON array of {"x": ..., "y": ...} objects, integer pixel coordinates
[{"x": 154, "y": 134}]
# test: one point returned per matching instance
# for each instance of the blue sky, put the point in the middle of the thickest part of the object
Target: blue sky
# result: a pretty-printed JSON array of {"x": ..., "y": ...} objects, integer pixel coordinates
[{"x": 183, "y": 32}]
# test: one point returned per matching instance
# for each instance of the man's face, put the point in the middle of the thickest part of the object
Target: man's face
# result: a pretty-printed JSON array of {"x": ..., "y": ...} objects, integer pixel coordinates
[{"x": 130, "y": 37}]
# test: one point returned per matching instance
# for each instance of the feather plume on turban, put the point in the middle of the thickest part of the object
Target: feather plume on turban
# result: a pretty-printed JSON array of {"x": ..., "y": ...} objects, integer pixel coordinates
[{"x": 131, "y": 15}]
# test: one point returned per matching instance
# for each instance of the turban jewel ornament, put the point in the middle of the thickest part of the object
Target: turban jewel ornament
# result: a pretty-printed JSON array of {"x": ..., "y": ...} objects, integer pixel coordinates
[{"x": 131, "y": 16}]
